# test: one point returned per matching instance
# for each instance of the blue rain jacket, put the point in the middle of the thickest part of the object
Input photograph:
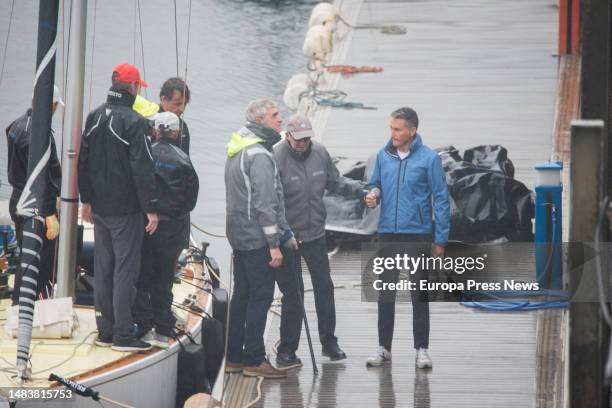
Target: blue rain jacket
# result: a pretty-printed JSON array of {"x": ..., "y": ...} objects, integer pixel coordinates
[{"x": 411, "y": 191}]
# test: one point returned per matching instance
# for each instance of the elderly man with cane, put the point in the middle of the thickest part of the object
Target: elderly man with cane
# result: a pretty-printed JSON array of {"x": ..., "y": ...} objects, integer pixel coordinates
[{"x": 306, "y": 171}]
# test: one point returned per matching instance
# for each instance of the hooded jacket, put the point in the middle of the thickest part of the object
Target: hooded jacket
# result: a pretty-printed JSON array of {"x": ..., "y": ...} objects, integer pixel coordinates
[
  {"x": 305, "y": 177},
  {"x": 253, "y": 190},
  {"x": 176, "y": 182},
  {"x": 411, "y": 190},
  {"x": 115, "y": 161},
  {"x": 18, "y": 136}
]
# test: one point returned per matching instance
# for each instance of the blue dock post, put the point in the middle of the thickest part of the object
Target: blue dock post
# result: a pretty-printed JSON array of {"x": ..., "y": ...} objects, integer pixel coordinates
[{"x": 548, "y": 222}]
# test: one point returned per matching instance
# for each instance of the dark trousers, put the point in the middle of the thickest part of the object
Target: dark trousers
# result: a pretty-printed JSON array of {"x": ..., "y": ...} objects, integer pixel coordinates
[
  {"x": 45, "y": 267},
  {"x": 418, "y": 244},
  {"x": 251, "y": 298},
  {"x": 117, "y": 246},
  {"x": 315, "y": 255},
  {"x": 160, "y": 252}
]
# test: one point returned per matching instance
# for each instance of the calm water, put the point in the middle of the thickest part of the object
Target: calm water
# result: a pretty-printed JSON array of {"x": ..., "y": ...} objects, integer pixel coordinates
[{"x": 239, "y": 50}]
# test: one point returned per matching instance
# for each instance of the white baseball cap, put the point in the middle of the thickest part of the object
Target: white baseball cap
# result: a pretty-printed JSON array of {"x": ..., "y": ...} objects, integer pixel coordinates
[{"x": 166, "y": 121}]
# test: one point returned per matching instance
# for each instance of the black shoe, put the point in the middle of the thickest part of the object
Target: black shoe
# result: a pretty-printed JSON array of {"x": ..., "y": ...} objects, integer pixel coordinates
[
  {"x": 334, "y": 352},
  {"x": 104, "y": 341},
  {"x": 131, "y": 344},
  {"x": 287, "y": 360}
]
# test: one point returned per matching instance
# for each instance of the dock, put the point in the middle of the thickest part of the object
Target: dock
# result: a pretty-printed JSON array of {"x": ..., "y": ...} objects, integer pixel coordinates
[{"x": 477, "y": 72}]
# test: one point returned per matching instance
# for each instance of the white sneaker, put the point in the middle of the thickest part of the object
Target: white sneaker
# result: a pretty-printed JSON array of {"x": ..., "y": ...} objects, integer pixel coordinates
[
  {"x": 422, "y": 359},
  {"x": 382, "y": 356}
]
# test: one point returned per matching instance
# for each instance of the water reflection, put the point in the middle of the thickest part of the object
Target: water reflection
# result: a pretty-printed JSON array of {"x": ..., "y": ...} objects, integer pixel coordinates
[{"x": 421, "y": 396}]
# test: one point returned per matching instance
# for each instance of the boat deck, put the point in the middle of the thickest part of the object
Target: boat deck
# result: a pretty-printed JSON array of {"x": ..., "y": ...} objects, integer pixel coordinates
[{"x": 477, "y": 72}]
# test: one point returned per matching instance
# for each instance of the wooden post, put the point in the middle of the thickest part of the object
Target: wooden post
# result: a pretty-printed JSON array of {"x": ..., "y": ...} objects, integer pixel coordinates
[{"x": 588, "y": 333}]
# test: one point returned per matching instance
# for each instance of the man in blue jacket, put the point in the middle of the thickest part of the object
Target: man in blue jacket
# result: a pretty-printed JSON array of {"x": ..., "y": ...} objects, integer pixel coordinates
[{"x": 409, "y": 182}]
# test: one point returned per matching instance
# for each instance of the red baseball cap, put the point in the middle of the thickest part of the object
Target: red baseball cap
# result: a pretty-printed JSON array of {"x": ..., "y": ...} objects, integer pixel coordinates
[{"x": 128, "y": 73}]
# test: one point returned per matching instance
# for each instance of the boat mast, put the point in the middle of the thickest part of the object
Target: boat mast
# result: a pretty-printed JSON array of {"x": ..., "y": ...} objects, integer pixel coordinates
[
  {"x": 32, "y": 199},
  {"x": 66, "y": 264}
]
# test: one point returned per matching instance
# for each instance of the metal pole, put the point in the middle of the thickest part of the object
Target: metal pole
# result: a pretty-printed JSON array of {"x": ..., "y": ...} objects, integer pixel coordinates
[
  {"x": 586, "y": 327},
  {"x": 66, "y": 264},
  {"x": 300, "y": 287}
]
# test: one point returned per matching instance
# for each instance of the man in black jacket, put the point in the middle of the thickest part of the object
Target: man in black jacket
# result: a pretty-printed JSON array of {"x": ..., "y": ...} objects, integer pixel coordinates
[
  {"x": 174, "y": 97},
  {"x": 18, "y": 136},
  {"x": 116, "y": 184},
  {"x": 176, "y": 192}
]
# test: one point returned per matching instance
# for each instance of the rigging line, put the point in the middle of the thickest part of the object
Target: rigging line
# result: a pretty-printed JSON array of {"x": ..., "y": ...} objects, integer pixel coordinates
[
  {"x": 176, "y": 40},
  {"x": 134, "y": 37},
  {"x": 8, "y": 34},
  {"x": 144, "y": 70},
  {"x": 93, "y": 51},
  {"x": 188, "y": 40},
  {"x": 202, "y": 230}
]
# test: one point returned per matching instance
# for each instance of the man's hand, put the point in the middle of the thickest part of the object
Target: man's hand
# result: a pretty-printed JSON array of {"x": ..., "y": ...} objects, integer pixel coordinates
[
  {"x": 437, "y": 251},
  {"x": 152, "y": 225},
  {"x": 52, "y": 227},
  {"x": 86, "y": 213},
  {"x": 291, "y": 243},
  {"x": 371, "y": 199},
  {"x": 277, "y": 257}
]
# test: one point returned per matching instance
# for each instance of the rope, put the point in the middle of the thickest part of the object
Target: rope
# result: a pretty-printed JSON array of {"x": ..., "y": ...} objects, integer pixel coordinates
[
  {"x": 256, "y": 400},
  {"x": 144, "y": 70},
  {"x": 384, "y": 29},
  {"x": 188, "y": 41},
  {"x": 202, "y": 230},
  {"x": 8, "y": 34},
  {"x": 93, "y": 51},
  {"x": 176, "y": 39},
  {"x": 134, "y": 35},
  {"x": 333, "y": 98}
]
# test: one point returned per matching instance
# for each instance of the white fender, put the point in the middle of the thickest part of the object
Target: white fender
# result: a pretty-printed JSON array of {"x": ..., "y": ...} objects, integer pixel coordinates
[
  {"x": 296, "y": 85},
  {"x": 325, "y": 14},
  {"x": 291, "y": 97},
  {"x": 299, "y": 78},
  {"x": 317, "y": 44}
]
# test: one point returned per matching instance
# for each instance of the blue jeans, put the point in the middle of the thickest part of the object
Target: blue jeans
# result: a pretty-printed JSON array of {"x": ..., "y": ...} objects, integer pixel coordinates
[{"x": 252, "y": 296}]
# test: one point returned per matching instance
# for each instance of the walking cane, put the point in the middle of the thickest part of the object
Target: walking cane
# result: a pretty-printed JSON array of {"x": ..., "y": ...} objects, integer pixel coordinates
[{"x": 300, "y": 285}]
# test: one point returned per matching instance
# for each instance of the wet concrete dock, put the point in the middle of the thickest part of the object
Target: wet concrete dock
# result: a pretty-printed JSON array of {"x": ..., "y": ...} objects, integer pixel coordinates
[{"x": 477, "y": 72}]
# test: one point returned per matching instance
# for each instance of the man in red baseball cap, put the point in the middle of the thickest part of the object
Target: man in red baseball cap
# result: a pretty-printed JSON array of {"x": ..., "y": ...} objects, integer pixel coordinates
[
  {"x": 128, "y": 74},
  {"x": 116, "y": 183}
]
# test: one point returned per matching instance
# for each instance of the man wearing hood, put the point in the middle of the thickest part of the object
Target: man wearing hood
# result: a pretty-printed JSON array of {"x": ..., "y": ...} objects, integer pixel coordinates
[{"x": 256, "y": 228}]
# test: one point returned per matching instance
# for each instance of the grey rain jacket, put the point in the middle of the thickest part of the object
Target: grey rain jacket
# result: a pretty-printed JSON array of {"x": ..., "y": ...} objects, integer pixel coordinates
[
  {"x": 253, "y": 191},
  {"x": 305, "y": 177}
]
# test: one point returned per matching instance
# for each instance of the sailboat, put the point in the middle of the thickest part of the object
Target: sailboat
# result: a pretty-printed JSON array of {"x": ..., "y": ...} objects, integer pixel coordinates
[{"x": 146, "y": 379}]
